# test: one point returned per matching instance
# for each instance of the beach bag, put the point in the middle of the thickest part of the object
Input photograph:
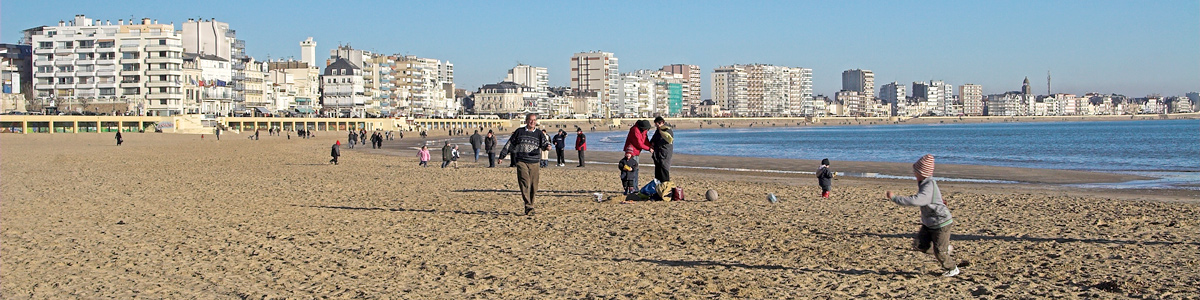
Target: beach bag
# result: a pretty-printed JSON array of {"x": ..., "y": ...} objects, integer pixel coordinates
[
  {"x": 664, "y": 189},
  {"x": 651, "y": 190},
  {"x": 677, "y": 194}
]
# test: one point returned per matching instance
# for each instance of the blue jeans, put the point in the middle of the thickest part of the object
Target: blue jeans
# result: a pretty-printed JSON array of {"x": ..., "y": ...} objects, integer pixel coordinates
[{"x": 445, "y": 163}]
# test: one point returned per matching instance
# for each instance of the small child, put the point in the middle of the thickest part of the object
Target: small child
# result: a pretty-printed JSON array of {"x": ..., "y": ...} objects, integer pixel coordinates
[
  {"x": 825, "y": 178},
  {"x": 934, "y": 236},
  {"x": 424, "y": 156},
  {"x": 454, "y": 156},
  {"x": 629, "y": 173}
]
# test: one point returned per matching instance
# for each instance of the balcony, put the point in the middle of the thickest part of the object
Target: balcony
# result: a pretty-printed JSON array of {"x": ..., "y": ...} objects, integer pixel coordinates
[
  {"x": 164, "y": 96},
  {"x": 43, "y": 74},
  {"x": 64, "y": 62},
  {"x": 106, "y": 62},
  {"x": 84, "y": 62},
  {"x": 130, "y": 46},
  {"x": 164, "y": 59},
  {"x": 163, "y": 83},
  {"x": 164, "y": 72},
  {"x": 167, "y": 47},
  {"x": 239, "y": 66},
  {"x": 43, "y": 62},
  {"x": 130, "y": 72},
  {"x": 44, "y": 86},
  {"x": 106, "y": 85},
  {"x": 43, "y": 50},
  {"x": 133, "y": 60},
  {"x": 130, "y": 84},
  {"x": 82, "y": 49},
  {"x": 106, "y": 71},
  {"x": 85, "y": 85}
]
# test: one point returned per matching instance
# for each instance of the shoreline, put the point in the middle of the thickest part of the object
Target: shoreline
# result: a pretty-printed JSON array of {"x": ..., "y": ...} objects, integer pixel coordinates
[{"x": 1052, "y": 180}]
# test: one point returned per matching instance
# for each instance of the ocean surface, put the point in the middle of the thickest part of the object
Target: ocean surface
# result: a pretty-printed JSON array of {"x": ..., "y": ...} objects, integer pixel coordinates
[{"x": 1167, "y": 149}]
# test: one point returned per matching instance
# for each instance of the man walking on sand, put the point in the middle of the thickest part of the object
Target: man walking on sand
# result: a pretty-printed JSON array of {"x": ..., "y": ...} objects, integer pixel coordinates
[
  {"x": 526, "y": 145},
  {"x": 476, "y": 142}
]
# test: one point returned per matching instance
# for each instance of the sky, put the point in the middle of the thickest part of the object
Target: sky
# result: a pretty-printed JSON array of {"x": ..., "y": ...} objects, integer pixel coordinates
[{"x": 1134, "y": 48}]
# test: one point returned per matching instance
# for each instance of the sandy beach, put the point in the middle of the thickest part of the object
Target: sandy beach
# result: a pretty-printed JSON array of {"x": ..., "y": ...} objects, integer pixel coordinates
[{"x": 177, "y": 216}]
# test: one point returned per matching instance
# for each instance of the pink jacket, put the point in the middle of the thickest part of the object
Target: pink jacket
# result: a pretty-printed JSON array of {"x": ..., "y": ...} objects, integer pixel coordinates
[{"x": 424, "y": 154}]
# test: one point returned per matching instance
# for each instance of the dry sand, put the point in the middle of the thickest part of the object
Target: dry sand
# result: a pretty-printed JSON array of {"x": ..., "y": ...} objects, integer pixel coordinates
[{"x": 174, "y": 216}]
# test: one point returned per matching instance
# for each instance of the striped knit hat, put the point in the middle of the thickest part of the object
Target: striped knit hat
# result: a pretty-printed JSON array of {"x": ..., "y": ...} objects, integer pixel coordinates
[{"x": 924, "y": 166}]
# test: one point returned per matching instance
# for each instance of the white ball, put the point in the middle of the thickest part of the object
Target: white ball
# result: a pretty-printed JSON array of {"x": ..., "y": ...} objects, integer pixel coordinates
[{"x": 710, "y": 195}]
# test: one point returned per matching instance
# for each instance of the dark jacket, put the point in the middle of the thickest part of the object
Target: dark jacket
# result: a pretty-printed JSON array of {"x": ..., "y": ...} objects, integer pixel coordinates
[
  {"x": 476, "y": 141},
  {"x": 663, "y": 142},
  {"x": 525, "y": 145},
  {"x": 335, "y": 152},
  {"x": 580, "y": 142},
  {"x": 631, "y": 165},
  {"x": 446, "y": 153},
  {"x": 560, "y": 141},
  {"x": 489, "y": 144},
  {"x": 825, "y": 178}
]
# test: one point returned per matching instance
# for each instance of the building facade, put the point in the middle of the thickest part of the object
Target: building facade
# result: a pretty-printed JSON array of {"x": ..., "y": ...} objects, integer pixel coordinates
[
  {"x": 861, "y": 81},
  {"x": 96, "y": 66},
  {"x": 596, "y": 71},
  {"x": 690, "y": 87},
  {"x": 972, "y": 99},
  {"x": 342, "y": 90},
  {"x": 763, "y": 90},
  {"x": 537, "y": 78}
]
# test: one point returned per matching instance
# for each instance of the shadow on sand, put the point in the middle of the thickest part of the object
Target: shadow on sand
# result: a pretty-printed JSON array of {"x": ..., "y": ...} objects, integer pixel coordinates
[
  {"x": 551, "y": 193},
  {"x": 464, "y": 212},
  {"x": 973, "y": 237},
  {"x": 703, "y": 263}
]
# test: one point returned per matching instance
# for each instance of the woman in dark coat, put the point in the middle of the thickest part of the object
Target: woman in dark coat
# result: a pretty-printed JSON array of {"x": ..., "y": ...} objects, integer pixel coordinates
[
  {"x": 335, "y": 152},
  {"x": 119, "y": 139}
]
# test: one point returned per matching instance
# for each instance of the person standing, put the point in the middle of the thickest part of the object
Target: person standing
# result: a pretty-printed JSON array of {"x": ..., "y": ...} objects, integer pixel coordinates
[
  {"x": 256, "y": 132},
  {"x": 119, "y": 138},
  {"x": 217, "y": 132},
  {"x": 664, "y": 146},
  {"x": 580, "y": 144},
  {"x": 476, "y": 143},
  {"x": 353, "y": 138},
  {"x": 936, "y": 221},
  {"x": 335, "y": 152},
  {"x": 825, "y": 178},
  {"x": 525, "y": 145},
  {"x": 560, "y": 142},
  {"x": 489, "y": 145},
  {"x": 447, "y": 155}
]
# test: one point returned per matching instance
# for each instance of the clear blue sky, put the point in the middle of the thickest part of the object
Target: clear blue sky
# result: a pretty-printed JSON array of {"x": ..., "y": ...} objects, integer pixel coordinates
[{"x": 1128, "y": 47}]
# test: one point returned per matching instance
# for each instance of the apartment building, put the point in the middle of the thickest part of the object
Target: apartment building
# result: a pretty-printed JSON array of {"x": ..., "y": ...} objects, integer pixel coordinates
[
  {"x": 861, "y": 81},
  {"x": 972, "y": 99},
  {"x": 85, "y": 64},
  {"x": 763, "y": 90},
  {"x": 596, "y": 71},
  {"x": 16, "y": 77},
  {"x": 304, "y": 84},
  {"x": 342, "y": 90},
  {"x": 537, "y": 78},
  {"x": 689, "y": 87}
]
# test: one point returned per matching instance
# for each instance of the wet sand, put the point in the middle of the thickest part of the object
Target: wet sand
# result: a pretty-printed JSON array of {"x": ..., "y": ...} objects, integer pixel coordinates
[{"x": 174, "y": 216}]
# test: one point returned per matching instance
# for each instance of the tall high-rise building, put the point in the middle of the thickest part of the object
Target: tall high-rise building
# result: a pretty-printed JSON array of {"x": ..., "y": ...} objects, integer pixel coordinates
[
  {"x": 97, "y": 66},
  {"x": 861, "y": 81},
  {"x": 972, "y": 99},
  {"x": 690, "y": 85},
  {"x": 892, "y": 93},
  {"x": 934, "y": 96},
  {"x": 596, "y": 71},
  {"x": 763, "y": 90},
  {"x": 537, "y": 78}
]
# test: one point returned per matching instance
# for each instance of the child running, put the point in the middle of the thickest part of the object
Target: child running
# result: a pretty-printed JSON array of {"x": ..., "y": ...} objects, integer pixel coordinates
[
  {"x": 934, "y": 236},
  {"x": 423, "y": 154}
]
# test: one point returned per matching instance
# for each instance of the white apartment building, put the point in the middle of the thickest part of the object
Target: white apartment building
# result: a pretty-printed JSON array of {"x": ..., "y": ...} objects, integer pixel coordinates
[
  {"x": 1007, "y": 104},
  {"x": 417, "y": 87},
  {"x": 595, "y": 71},
  {"x": 86, "y": 64},
  {"x": 216, "y": 91},
  {"x": 213, "y": 38},
  {"x": 892, "y": 95},
  {"x": 501, "y": 98},
  {"x": 342, "y": 91},
  {"x": 634, "y": 97},
  {"x": 763, "y": 90},
  {"x": 861, "y": 81},
  {"x": 254, "y": 87},
  {"x": 690, "y": 75},
  {"x": 537, "y": 78},
  {"x": 936, "y": 95},
  {"x": 367, "y": 63},
  {"x": 972, "y": 99},
  {"x": 302, "y": 82}
]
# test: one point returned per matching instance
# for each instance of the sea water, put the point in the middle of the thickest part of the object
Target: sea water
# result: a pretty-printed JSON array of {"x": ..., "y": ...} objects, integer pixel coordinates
[{"x": 1167, "y": 149}]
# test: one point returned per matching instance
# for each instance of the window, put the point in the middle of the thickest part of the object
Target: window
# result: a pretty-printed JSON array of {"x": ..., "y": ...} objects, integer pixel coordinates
[
  {"x": 160, "y": 42},
  {"x": 45, "y": 69},
  {"x": 130, "y": 91},
  {"x": 129, "y": 55},
  {"x": 85, "y": 80},
  {"x": 66, "y": 80},
  {"x": 66, "y": 68},
  {"x": 45, "y": 45}
]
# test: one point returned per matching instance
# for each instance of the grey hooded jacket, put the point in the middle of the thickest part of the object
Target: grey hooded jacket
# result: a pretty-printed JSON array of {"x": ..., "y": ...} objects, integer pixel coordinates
[{"x": 934, "y": 213}]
